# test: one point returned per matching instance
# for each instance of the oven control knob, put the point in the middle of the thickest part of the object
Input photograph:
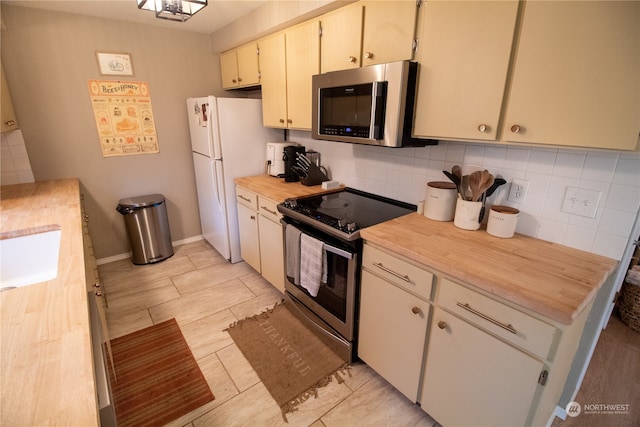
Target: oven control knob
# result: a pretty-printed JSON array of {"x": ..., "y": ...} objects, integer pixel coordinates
[
  {"x": 351, "y": 227},
  {"x": 342, "y": 223},
  {"x": 291, "y": 203}
]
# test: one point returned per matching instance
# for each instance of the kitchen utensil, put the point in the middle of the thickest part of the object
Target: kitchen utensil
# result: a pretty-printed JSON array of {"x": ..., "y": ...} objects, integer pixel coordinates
[
  {"x": 314, "y": 175},
  {"x": 464, "y": 187},
  {"x": 474, "y": 185},
  {"x": 456, "y": 170},
  {"x": 453, "y": 179},
  {"x": 497, "y": 182}
]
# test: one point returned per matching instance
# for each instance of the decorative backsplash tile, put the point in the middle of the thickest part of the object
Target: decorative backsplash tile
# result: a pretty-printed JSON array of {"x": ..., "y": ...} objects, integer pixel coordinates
[
  {"x": 403, "y": 174},
  {"x": 15, "y": 168}
]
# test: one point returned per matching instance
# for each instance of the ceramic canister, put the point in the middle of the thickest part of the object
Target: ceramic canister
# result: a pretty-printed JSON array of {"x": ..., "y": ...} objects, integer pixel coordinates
[
  {"x": 467, "y": 215},
  {"x": 440, "y": 202},
  {"x": 502, "y": 221}
]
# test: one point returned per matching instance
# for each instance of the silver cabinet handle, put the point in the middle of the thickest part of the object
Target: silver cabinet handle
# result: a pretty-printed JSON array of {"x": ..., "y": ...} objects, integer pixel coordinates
[
  {"x": 507, "y": 327},
  {"x": 352, "y": 59},
  {"x": 268, "y": 210},
  {"x": 516, "y": 129},
  {"x": 388, "y": 270},
  {"x": 368, "y": 55},
  {"x": 246, "y": 199},
  {"x": 483, "y": 128},
  {"x": 442, "y": 324}
]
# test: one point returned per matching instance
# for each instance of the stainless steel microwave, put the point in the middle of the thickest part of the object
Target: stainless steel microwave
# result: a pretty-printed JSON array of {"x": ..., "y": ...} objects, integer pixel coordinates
[{"x": 368, "y": 105}]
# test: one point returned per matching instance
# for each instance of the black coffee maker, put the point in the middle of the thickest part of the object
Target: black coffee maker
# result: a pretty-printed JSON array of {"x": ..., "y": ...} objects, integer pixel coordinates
[{"x": 290, "y": 158}]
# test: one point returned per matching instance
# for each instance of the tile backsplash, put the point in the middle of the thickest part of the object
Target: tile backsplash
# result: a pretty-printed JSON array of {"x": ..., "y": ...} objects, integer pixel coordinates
[
  {"x": 16, "y": 168},
  {"x": 402, "y": 173}
]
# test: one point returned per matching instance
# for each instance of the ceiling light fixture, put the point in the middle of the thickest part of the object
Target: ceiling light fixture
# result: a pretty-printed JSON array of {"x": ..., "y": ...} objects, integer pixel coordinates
[{"x": 173, "y": 10}]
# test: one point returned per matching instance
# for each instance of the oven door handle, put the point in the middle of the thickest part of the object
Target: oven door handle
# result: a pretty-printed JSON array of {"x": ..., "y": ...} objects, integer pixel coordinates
[{"x": 337, "y": 251}]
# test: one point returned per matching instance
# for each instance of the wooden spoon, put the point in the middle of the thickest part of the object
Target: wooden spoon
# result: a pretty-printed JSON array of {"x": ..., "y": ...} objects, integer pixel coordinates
[
  {"x": 474, "y": 184},
  {"x": 456, "y": 171}
]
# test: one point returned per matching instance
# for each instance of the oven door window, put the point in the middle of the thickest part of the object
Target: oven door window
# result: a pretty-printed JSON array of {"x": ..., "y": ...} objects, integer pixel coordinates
[{"x": 333, "y": 294}]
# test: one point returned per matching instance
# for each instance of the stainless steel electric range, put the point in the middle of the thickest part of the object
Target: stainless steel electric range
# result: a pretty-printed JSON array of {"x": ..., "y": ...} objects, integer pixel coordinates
[{"x": 331, "y": 222}]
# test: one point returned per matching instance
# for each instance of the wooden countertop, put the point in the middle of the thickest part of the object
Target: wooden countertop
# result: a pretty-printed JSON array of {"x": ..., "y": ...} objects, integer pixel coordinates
[
  {"x": 46, "y": 366},
  {"x": 277, "y": 189},
  {"x": 555, "y": 281}
]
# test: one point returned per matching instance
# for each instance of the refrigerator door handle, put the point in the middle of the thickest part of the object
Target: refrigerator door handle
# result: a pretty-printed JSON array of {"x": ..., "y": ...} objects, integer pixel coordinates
[{"x": 216, "y": 183}]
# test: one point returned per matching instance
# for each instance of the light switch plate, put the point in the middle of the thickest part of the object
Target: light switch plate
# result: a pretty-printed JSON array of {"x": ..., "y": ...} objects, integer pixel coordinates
[{"x": 580, "y": 201}]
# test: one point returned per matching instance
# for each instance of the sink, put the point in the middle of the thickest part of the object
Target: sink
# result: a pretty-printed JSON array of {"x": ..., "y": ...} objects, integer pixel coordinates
[{"x": 29, "y": 256}]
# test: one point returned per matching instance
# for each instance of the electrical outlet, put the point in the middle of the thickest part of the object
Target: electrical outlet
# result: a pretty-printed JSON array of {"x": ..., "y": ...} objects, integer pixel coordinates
[
  {"x": 580, "y": 201},
  {"x": 518, "y": 191}
]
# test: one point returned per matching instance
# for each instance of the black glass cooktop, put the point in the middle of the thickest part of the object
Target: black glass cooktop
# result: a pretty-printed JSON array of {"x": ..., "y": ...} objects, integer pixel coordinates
[{"x": 345, "y": 211}]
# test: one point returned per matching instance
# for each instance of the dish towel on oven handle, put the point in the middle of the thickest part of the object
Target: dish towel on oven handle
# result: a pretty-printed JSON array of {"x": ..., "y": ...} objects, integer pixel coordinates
[
  {"x": 292, "y": 245},
  {"x": 313, "y": 264}
]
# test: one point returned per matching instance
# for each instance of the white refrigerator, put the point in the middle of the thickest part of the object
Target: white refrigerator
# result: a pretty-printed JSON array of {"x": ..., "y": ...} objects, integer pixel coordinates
[{"x": 228, "y": 141}]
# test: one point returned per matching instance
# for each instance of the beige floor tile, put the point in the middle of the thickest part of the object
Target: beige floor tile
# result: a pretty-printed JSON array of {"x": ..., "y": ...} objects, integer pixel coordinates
[
  {"x": 360, "y": 375},
  {"x": 207, "y": 335},
  {"x": 257, "y": 305},
  {"x": 238, "y": 367},
  {"x": 203, "y": 303},
  {"x": 257, "y": 283},
  {"x": 123, "y": 323},
  {"x": 147, "y": 273},
  {"x": 139, "y": 296},
  {"x": 377, "y": 403},
  {"x": 254, "y": 407},
  {"x": 196, "y": 280}
]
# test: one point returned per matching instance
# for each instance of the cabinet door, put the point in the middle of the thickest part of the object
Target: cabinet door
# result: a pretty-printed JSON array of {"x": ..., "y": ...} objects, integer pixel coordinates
[
  {"x": 472, "y": 378},
  {"x": 341, "y": 39},
  {"x": 389, "y": 31},
  {"x": 393, "y": 326},
  {"x": 463, "y": 51},
  {"x": 303, "y": 61},
  {"x": 229, "y": 69},
  {"x": 249, "y": 239},
  {"x": 272, "y": 252},
  {"x": 7, "y": 115},
  {"x": 273, "y": 81},
  {"x": 248, "y": 67},
  {"x": 575, "y": 79}
]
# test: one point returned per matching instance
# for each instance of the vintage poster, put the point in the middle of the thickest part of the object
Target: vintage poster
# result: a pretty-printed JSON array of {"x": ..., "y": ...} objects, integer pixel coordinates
[{"x": 124, "y": 117}]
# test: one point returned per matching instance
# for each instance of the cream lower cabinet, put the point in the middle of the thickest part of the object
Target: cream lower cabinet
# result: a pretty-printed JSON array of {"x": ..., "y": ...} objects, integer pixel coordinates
[
  {"x": 394, "y": 314},
  {"x": 248, "y": 227},
  {"x": 467, "y": 357},
  {"x": 271, "y": 243},
  {"x": 474, "y": 379},
  {"x": 261, "y": 239}
]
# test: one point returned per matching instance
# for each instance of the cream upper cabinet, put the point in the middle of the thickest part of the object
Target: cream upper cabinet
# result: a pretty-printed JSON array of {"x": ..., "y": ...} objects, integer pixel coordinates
[
  {"x": 463, "y": 51},
  {"x": 274, "y": 80},
  {"x": 303, "y": 61},
  {"x": 7, "y": 114},
  {"x": 576, "y": 75},
  {"x": 287, "y": 62},
  {"x": 239, "y": 67},
  {"x": 389, "y": 31},
  {"x": 341, "y": 41}
]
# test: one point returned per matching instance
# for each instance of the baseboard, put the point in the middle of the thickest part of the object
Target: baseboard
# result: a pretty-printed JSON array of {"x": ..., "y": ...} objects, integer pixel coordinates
[{"x": 127, "y": 255}]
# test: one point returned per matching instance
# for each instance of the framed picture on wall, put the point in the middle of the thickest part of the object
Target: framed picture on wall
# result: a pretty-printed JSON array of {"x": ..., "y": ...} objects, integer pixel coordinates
[{"x": 115, "y": 64}]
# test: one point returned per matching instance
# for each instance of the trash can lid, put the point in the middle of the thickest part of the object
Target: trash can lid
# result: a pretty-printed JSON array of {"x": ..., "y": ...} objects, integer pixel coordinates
[{"x": 142, "y": 201}]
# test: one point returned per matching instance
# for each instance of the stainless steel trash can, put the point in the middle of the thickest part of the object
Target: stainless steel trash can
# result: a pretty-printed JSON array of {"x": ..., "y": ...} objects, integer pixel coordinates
[{"x": 147, "y": 224}]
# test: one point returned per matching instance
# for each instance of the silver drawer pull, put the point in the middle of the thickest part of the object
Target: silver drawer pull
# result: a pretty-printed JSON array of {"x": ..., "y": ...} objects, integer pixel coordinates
[
  {"x": 246, "y": 199},
  {"x": 388, "y": 270},
  {"x": 268, "y": 210},
  {"x": 467, "y": 307}
]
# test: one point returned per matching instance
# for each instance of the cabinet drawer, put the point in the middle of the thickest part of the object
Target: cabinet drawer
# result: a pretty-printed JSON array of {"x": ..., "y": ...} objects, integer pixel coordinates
[
  {"x": 506, "y": 322},
  {"x": 247, "y": 198},
  {"x": 399, "y": 272},
  {"x": 269, "y": 209}
]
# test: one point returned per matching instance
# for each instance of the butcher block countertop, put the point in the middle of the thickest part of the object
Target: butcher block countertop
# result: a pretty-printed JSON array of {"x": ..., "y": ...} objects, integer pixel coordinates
[
  {"x": 277, "y": 189},
  {"x": 555, "y": 281},
  {"x": 46, "y": 357}
]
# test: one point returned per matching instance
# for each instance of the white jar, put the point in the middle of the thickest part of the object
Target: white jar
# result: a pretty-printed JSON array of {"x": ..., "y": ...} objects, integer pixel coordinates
[
  {"x": 502, "y": 221},
  {"x": 467, "y": 215},
  {"x": 440, "y": 201}
]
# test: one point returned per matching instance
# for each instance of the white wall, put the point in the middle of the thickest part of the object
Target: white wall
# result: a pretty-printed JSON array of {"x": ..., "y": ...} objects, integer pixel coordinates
[{"x": 402, "y": 173}]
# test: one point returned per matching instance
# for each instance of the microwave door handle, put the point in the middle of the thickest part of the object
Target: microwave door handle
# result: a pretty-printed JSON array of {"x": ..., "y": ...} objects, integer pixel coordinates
[{"x": 374, "y": 106}]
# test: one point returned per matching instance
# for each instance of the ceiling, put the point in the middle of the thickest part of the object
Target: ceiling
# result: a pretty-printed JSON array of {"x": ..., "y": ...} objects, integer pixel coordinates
[{"x": 213, "y": 17}]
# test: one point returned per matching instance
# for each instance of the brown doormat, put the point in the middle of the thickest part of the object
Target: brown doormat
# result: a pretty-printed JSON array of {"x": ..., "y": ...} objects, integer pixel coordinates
[
  {"x": 158, "y": 379},
  {"x": 290, "y": 360}
]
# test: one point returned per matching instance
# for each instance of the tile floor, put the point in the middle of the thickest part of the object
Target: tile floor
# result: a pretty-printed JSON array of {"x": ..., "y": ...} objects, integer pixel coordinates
[{"x": 205, "y": 294}]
